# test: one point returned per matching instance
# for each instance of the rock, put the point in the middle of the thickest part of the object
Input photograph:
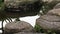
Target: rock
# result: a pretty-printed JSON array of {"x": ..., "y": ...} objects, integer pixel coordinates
[
  {"x": 22, "y": 7},
  {"x": 54, "y": 12},
  {"x": 47, "y": 1},
  {"x": 17, "y": 2},
  {"x": 49, "y": 22},
  {"x": 50, "y": 18},
  {"x": 57, "y": 6},
  {"x": 18, "y": 26},
  {"x": 28, "y": 33}
]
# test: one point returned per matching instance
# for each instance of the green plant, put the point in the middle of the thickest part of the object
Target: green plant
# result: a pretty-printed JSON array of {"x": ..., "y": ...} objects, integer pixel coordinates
[
  {"x": 38, "y": 28},
  {"x": 41, "y": 30}
]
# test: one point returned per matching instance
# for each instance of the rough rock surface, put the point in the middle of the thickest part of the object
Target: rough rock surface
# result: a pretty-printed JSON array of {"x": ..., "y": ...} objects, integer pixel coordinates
[
  {"x": 17, "y": 2},
  {"x": 18, "y": 26},
  {"x": 28, "y": 33},
  {"x": 18, "y": 8},
  {"x": 57, "y": 6},
  {"x": 50, "y": 21},
  {"x": 49, "y": 1},
  {"x": 54, "y": 12}
]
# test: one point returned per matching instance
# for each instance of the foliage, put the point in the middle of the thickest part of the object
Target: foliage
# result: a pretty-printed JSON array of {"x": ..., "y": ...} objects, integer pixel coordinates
[
  {"x": 0, "y": 1},
  {"x": 1, "y": 6},
  {"x": 38, "y": 28},
  {"x": 2, "y": 12},
  {"x": 41, "y": 30}
]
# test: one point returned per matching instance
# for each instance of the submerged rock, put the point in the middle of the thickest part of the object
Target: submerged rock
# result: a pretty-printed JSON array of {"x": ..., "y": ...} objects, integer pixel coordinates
[{"x": 18, "y": 26}]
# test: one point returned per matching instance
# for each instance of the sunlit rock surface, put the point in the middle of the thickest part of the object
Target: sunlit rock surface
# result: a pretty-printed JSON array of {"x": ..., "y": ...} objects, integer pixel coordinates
[
  {"x": 18, "y": 26},
  {"x": 49, "y": 22}
]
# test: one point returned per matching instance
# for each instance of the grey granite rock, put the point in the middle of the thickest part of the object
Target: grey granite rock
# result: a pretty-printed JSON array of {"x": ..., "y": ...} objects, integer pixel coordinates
[
  {"x": 49, "y": 22},
  {"x": 18, "y": 26}
]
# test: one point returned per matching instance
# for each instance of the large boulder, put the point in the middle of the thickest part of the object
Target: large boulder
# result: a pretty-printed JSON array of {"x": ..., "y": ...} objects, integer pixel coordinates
[
  {"x": 50, "y": 21},
  {"x": 18, "y": 26},
  {"x": 22, "y": 7}
]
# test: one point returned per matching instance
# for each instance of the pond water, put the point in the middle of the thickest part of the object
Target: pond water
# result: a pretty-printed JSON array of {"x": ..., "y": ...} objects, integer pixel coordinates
[{"x": 29, "y": 19}]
